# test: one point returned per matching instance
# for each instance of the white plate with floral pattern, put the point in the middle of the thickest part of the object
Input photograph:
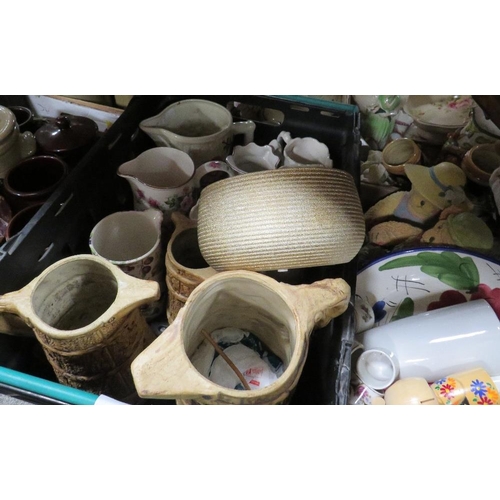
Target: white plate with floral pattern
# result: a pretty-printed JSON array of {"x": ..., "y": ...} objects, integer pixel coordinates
[{"x": 410, "y": 282}]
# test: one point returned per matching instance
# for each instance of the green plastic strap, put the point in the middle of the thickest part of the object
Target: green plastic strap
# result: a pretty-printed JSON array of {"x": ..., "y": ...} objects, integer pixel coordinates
[{"x": 46, "y": 388}]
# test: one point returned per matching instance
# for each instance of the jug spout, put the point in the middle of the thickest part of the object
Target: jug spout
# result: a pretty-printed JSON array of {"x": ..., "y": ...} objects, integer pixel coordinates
[
  {"x": 164, "y": 356},
  {"x": 128, "y": 171},
  {"x": 320, "y": 302},
  {"x": 160, "y": 177}
]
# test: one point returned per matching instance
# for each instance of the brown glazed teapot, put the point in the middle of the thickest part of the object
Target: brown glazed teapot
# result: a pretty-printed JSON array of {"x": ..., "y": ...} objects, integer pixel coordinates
[{"x": 67, "y": 135}]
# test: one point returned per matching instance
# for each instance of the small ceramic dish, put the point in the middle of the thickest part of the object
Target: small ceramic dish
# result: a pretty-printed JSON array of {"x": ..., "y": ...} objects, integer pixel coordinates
[
  {"x": 439, "y": 113},
  {"x": 414, "y": 281},
  {"x": 398, "y": 153},
  {"x": 252, "y": 158},
  {"x": 303, "y": 151},
  {"x": 281, "y": 219},
  {"x": 480, "y": 162}
]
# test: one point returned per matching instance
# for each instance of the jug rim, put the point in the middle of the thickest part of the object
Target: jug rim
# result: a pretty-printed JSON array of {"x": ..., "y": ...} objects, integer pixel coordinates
[
  {"x": 150, "y": 152},
  {"x": 147, "y": 122},
  {"x": 154, "y": 216},
  {"x": 111, "y": 316}
]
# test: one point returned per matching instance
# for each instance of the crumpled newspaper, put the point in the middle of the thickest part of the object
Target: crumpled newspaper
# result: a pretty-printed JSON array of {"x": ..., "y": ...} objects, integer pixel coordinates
[
  {"x": 257, "y": 364},
  {"x": 373, "y": 170}
]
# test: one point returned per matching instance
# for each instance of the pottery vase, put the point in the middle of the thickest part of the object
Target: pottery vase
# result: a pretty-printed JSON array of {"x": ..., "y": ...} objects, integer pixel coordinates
[
  {"x": 84, "y": 311},
  {"x": 282, "y": 316}
]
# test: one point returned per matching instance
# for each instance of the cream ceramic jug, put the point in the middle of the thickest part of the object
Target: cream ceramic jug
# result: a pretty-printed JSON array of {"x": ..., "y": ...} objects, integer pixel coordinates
[
  {"x": 84, "y": 312},
  {"x": 203, "y": 129},
  {"x": 282, "y": 316},
  {"x": 131, "y": 240}
]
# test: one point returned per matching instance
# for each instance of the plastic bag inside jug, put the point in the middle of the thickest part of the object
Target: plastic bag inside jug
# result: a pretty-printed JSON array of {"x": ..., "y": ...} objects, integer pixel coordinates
[{"x": 252, "y": 358}]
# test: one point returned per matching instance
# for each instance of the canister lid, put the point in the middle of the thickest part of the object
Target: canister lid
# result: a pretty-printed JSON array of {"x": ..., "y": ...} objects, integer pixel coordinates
[
  {"x": 7, "y": 123},
  {"x": 66, "y": 133}
]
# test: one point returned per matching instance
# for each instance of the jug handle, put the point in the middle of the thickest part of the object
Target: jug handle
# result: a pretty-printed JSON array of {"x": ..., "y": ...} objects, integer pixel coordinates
[
  {"x": 28, "y": 144},
  {"x": 181, "y": 223},
  {"x": 176, "y": 378},
  {"x": 246, "y": 128},
  {"x": 156, "y": 217},
  {"x": 320, "y": 302},
  {"x": 132, "y": 293}
]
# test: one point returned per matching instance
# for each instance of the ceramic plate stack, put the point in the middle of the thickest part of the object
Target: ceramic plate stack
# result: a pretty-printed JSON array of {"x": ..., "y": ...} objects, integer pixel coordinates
[{"x": 281, "y": 219}]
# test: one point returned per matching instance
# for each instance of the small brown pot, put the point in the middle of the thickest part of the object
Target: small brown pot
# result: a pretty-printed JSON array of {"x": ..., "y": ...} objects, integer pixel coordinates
[{"x": 33, "y": 180}]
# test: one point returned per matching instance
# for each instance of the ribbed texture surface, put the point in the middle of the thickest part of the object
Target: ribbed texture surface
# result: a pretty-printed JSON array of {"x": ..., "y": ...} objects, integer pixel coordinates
[{"x": 281, "y": 219}]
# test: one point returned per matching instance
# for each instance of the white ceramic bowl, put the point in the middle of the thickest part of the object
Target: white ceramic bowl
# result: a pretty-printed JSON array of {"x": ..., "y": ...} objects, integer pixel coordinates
[
  {"x": 252, "y": 158},
  {"x": 439, "y": 113},
  {"x": 287, "y": 218}
]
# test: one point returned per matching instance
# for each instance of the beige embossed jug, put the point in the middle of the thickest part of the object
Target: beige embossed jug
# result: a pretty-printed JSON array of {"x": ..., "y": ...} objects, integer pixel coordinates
[
  {"x": 85, "y": 313},
  {"x": 282, "y": 316},
  {"x": 185, "y": 265}
]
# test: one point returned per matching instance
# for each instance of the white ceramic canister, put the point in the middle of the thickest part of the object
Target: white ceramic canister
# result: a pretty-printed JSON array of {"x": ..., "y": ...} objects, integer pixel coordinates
[
  {"x": 14, "y": 146},
  {"x": 431, "y": 345}
]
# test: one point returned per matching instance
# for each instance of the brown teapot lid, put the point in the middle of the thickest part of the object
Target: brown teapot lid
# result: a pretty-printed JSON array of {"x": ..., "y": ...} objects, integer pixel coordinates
[{"x": 66, "y": 133}]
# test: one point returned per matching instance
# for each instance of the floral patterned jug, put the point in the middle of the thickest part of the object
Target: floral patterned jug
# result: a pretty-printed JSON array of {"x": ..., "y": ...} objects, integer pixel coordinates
[{"x": 162, "y": 178}]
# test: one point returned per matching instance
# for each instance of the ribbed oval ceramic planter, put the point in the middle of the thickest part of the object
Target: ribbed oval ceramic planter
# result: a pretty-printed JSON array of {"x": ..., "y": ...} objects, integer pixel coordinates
[{"x": 281, "y": 219}]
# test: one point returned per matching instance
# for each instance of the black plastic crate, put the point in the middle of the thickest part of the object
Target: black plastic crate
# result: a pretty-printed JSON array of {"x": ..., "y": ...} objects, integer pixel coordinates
[{"x": 93, "y": 190}]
